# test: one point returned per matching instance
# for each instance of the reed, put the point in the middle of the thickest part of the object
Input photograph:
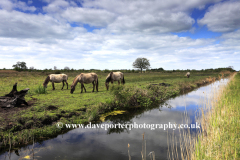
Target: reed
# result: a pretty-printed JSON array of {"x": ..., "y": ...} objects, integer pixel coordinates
[{"x": 144, "y": 151}]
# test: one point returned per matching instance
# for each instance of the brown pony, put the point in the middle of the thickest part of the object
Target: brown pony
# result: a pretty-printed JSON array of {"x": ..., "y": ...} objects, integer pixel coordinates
[
  {"x": 85, "y": 78},
  {"x": 57, "y": 78},
  {"x": 114, "y": 76}
]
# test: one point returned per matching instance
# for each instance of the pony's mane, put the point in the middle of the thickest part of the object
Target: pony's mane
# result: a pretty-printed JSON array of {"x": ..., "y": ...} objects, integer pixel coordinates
[
  {"x": 73, "y": 84},
  {"x": 47, "y": 80},
  {"x": 109, "y": 77}
]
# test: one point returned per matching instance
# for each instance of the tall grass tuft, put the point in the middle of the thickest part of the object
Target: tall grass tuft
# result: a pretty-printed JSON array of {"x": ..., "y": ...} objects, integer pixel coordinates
[{"x": 41, "y": 90}]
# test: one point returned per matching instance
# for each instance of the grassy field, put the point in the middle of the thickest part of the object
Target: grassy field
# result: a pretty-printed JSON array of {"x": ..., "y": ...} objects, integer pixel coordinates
[{"x": 20, "y": 124}]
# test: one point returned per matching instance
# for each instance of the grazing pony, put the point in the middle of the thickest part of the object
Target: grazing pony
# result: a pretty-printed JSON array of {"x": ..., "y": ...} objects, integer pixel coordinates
[
  {"x": 187, "y": 74},
  {"x": 114, "y": 76},
  {"x": 85, "y": 78},
  {"x": 57, "y": 78}
]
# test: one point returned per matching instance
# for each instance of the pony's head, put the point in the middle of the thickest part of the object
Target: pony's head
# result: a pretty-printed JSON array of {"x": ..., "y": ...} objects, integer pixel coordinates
[
  {"x": 44, "y": 85},
  {"x": 107, "y": 85},
  {"x": 72, "y": 89},
  {"x": 46, "y": 81},
  {"x": 108, "y": 79},
  {"x": 73, "y": 85}
]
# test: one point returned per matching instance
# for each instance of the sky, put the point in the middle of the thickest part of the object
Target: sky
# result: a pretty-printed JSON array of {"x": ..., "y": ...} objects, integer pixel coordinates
[{"x": 112, "y": 34}]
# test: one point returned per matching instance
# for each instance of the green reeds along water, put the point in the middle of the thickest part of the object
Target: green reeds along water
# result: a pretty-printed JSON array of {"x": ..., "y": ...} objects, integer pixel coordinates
[
  {"x": 141, "y": 90},
  {"x": 219, "y": 137}
]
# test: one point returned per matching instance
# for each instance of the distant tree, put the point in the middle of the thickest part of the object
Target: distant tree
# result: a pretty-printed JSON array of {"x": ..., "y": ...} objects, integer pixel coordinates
[
  {"x": 20, "y": 66},
  {"x": 31, "y": 68},
  {"x": 55, "y": 67},
  {"x": 106, "y": 71},
  {"x": 66, "y": 68},
  {"x": 230, "y": 67},
  {"x": 141, "y": 63}
]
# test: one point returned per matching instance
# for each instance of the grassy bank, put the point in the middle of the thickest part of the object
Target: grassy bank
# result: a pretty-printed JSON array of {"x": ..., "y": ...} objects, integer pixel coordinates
[
  {"x": 221, "y": 126},
  {"x": 19, "y": 125}
]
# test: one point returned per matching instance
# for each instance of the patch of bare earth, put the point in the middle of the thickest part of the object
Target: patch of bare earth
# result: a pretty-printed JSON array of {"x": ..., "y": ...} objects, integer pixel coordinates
[{"x": 6, "y": 114}]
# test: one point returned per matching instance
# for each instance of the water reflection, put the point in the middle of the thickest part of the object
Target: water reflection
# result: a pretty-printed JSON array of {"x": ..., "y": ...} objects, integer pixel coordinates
[{"x": 113, "y": 143}]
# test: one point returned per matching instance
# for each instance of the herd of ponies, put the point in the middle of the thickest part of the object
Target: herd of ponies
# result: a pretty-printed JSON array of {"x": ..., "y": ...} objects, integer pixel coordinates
[{"x": 84, "y": 78}]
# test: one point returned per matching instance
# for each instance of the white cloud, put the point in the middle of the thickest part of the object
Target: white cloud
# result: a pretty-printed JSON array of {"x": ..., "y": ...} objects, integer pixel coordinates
[
  {"x": 232, "y": 35},
  {"x": 129, "y": 29},
  {"x": 43, "y": 28},
  {"x": 222, "y": 17},
  {"x": 107, "y": 48},
  {"x": 6, "y": 4},
  {"x": 148, "y": 6},
  {"x": 56, "y": 6},
  {"x": 9, "y": 5},
  {"x": 30, "y": 2},
  {"x": 161, "y": 22},
  {"x": 93, "y": 17},
  {"x": 148, "y": 16}
]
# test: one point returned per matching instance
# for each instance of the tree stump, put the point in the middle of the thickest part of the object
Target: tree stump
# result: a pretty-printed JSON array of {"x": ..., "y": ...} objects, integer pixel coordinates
[{"x": 14, "y": 98}]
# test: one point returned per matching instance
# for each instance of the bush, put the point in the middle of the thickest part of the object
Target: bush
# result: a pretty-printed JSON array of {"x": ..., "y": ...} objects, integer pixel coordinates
[
  {"x": 125, "y": 96},
  {"x": 57, "y": 72},
  {"x": 41, "y": 90}
]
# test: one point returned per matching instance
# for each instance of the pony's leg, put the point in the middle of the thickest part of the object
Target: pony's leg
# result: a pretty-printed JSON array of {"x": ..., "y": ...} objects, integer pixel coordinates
[
  {"x": 93, "y": 86},
  {"x": 63, "y": 84},
  {"x": 84, "y": 87},
  {"x": 81, "y": 87},
  {"x": 67, "y": 84},
  {"x": 118, "y": 82},
  {"x": 97, "y": 85},
  {"x": 53, "y": 88}
]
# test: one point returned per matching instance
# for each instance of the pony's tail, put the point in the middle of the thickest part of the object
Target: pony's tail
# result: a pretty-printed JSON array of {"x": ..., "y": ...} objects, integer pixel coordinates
[
  {"x": 97, "y": 85},
  {"x": 123, "y": 80}
]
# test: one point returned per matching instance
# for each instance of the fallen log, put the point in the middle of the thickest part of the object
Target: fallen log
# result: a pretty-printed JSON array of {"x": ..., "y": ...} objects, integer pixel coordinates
[{"x": 14, "y": 98}]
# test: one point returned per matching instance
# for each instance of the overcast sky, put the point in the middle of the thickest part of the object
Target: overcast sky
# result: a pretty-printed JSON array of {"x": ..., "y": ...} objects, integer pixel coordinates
[{"x": 111, "y": 34}]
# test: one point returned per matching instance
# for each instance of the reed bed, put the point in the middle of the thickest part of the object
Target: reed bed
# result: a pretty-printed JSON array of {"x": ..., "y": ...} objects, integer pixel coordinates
[{"x": 219, "y": 136}]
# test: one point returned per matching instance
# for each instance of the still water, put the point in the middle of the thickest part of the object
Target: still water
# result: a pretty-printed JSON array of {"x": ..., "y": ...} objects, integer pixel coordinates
[{"x": 101, "y": 144}]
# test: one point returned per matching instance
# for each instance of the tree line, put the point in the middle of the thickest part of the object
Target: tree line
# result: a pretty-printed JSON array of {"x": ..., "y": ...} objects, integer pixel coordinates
[{"x": 140, "y": 64}]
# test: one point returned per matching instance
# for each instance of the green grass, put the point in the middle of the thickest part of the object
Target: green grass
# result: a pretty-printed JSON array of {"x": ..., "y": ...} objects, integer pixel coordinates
[{"x": 84, "y": 107}]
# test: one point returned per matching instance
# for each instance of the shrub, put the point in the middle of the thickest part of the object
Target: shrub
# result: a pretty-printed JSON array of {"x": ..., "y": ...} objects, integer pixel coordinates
[
  {"x": 57, "y": 72},
  {"x": 41, "y": 90}
]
